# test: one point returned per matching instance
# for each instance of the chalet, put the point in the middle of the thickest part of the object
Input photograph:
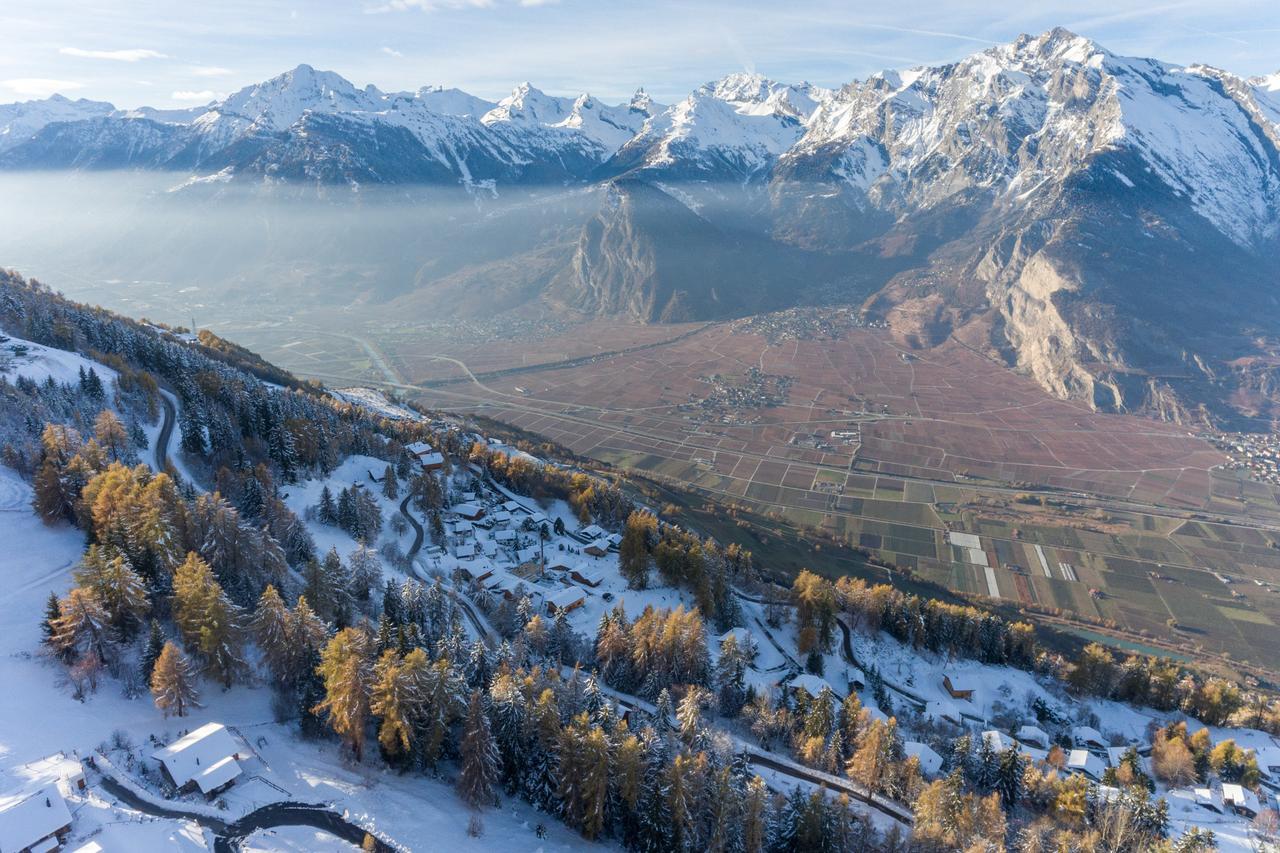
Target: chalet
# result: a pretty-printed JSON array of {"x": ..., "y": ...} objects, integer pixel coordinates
[
  {"x": 930, "y": 761},
  {"x": 958, "y": 686},
  {"x": 469, "y": 510},
  {"x": 465, "y": 551},
  {"x": 1084, "y": 761},
  {"x": 565, "y": 600},
  {"x": 597, "y": 548},
  {"x": 426, "y": 456},
  {"x": 588, "y": 577},
  {"x": 37, "y": 821},
  {"x": 615, "y": 539},
  {"x": 1241, "y": 800},
  {"x": 463, "y": 529},
  {"x": 1087, "y": 737},
  {"x": 1033, "y": 736},
  {"x": 489, "y": 548},
  {"x": 205, "y": 759},
  {"x": 504, "y": 537},
  {"x": 512, "y": 506},
  {"x": 501, "y": 518},
  {"x": 478, "y": 573},
  {"x": 502, "y": 582},
  {"x": 538, "y": 518},
  {"x": 527, "y": 555}
]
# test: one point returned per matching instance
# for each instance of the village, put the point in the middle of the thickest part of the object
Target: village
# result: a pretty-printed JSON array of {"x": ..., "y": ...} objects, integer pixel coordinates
[{"x": 1257, "y": 453}]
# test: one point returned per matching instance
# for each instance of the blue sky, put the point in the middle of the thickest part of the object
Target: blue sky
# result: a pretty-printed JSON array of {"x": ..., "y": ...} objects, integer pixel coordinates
[{"x": 172, "y": 52}]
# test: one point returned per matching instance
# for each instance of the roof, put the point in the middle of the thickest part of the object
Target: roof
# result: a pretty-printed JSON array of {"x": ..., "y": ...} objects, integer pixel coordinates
[
  {"x": 194, "y": 754},
  {"x": 930, "y": 761},
  {"x": 592, "y": 531},
  {"x": 504, "y": 535},
  {"x": 1238, "y": 795},
  {"x": 741, "y": 635},
  {"x": 1087, "y": 733},
  {"x": 217, "y": 774},
  {"x": 512, "y": 506},
  {"x": 30, "y": 816},
  {"x": 813, "y": 684},
  {"x": 996, "y": 741},
  {"x": 1086, "y": 761},
  {"x": 589, "y": 575},
  {"x": 501, "y": 516},
  {"x": 469, "y": 509},
  {"x": 467, "y": 549},
  {"x": 527, "y": 555},
  {"x": 566, "y": 597},
  {"x": 418, "y": 448},
  {"x": 1034, "y": 734},
  {"x": 960, "y": 682},
  {"x": 600, "y": 544},
  {"x": 614, "y": 538}
]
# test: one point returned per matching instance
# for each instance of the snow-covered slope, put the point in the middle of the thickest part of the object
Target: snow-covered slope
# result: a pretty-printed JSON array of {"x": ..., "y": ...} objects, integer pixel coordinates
[{"x": 18, "y": 122}]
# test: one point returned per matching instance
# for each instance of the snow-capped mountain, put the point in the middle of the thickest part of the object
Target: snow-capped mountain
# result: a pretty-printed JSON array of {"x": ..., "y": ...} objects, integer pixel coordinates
[{"x": 1082, "y": 215}]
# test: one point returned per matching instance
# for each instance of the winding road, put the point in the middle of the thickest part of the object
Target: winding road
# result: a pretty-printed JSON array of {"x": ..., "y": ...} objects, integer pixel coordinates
[
  {"x": 166, "y": 432},
  {"x": 418, "y": 532},
  {"x": 228, "y": 836}
]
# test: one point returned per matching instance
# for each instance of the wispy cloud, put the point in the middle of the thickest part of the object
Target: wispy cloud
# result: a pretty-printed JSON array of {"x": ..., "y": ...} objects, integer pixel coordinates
[
  {"x": 210, "y": 71},
  {"x": 532, "y": 3},
  {"x": 135, "y": 54},
  {"x": 201, "y": 97},
  {"x": 391, "y": 51},
  {"x": 429, "y": 5},
  {"x": 39, "y": 87}
]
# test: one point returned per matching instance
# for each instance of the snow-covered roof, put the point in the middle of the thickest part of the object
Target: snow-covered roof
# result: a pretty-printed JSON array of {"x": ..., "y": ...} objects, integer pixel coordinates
[
  {"x": 1033, "y": 735},
  {"x": 195, "y": 754},
  {"x": 601, "y": 545},
  {"x": 1084, "y": 761},
  {"x": 566, "y": 597},
  {"x": 217, "y": 775},
  {"x": 591, "y": 576},
  {"x": 501, "y": 516},
  {"x": 31, "y": 816},
  {"x": 614, "y": 538},
  {"x": 512, "y": 506},
  {"x": 812, "y": 684},
  {"x": 997, "y": 741},
  {"x": 463, "y": 526},
  {"x": 418, "y": 448},
  {"x": 1207, "y": 798},
  {"x": 504, "y": 536},
  {"x": 742, "y": 636},
  {"x": 467, "y": 549},
  {"x": 527, "y": 555},
  {"x": 930, "y": 761},
  {"x": 1238, "y": 796},
  {"x": 960, "y": 682},
  {"x": 469, "y": 509},
  {"x": 1268, "y": 760},
  {"x": 592, "y": 531},
  {"x": 1087, "y": 734},
  {"x": 538, "y": 517}
]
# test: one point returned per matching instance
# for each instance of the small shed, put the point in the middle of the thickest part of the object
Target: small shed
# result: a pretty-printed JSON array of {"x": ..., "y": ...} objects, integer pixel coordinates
[
  {"x": 205, "y": 759},
  {"x": 1207, "y": 799},
  {"x": 958, "y": 686},
  {"x": 37, "y": 821}
]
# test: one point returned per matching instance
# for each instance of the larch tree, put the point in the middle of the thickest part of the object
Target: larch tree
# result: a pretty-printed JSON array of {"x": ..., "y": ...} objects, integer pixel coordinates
[
  {"x": 638, "y": 537},
  {"x": 173, "y": 683},
  {"x": 479, "y": 777},
  {"x": 344, "y": 666},
  {"x": 395, "y": 701}
]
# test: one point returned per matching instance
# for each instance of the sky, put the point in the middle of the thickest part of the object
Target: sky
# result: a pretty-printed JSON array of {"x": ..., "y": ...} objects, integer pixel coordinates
[{"x": 167, "y": 53}]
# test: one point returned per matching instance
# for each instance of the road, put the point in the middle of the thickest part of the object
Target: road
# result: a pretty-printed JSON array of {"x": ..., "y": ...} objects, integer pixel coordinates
[
  {"x": 228, "y": 836},
  {"x": 417, "y": 528},
  {"x": 166, "y": 432}
]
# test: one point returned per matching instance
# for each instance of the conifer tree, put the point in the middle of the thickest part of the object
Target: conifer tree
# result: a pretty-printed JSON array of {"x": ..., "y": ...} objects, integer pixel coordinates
[
  {"x": 365, "y": 570},
  {"x": 392, "y": 700},
  {"x": 638, "y": 536},
  {"x": 173, "y": 683},
  {"x": 479, "y": 774},
  {"x": 390, "y": 489},
  {"x": 151, "y": 652},
  {"x": 270, "y": 629},
  {"x": 49, "y": 625},
  {"x": 327, "y": 512},
  {"x": 443, "y": 700},
  {"x": 117, "y": 587}
]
